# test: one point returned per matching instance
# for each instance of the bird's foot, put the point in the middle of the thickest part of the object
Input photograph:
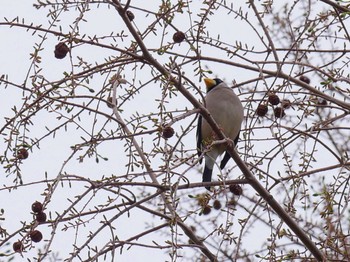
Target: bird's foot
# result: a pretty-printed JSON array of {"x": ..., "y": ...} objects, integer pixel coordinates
[{"x": 229, "y": 142}]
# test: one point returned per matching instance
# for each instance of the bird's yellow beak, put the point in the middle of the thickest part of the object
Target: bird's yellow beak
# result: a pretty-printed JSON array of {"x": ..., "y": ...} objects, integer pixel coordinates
[{"x": 209, "y": 83}]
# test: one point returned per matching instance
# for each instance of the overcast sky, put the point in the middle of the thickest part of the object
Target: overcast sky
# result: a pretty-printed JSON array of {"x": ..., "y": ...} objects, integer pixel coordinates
[{"x": 15, "y": 46}]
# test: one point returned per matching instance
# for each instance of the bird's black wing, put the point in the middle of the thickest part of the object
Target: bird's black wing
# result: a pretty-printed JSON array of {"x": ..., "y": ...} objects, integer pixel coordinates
[
  {"x": 199, "y": 137},
  {"x": 227, "y": 156},
  {"x": 236, "y": 139},
  {"x": 224, "y": 161}
]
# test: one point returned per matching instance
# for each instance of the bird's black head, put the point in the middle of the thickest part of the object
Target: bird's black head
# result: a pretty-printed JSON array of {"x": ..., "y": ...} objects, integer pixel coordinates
[{"x": 218, "y": 81}]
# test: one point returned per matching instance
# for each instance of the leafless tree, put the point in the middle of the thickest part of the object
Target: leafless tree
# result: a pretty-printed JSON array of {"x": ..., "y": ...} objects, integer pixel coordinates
[{"x": 98, "y": 135}]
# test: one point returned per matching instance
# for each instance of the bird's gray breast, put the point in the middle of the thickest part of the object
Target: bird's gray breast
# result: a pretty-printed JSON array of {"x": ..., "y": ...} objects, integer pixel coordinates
[{"x": 226, "y": 108}]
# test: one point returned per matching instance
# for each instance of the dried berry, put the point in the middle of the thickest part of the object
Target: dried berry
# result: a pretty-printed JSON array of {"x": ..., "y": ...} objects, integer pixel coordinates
[
  {"x": 273, "y": 99},
  {"x": 130, "y": 15},
  {"x": 22, "y": 153},
  {"x": 236, "y": 189},
  {"x": 261, "y": 110},
  {"x": 322, "y": 102},
  {"x": 36, "y": 236},
  {"x": 178, "y": 37},
  {"x": 206, "y": 210},
  {"x": 279, "y": 112},
  {"x": 18, "y": 246},
  {"x": 37, "y": 207},
  {"x": 286, "y": 103},
  {"x": 305, "y": 79},
  {"x": 109, "y": 102},
  {"x": 217, "y": 204},
  {"x": 168, "y": 132},
  {"x": 40, "y": 217},
  {"x": 61, "y": 50}
]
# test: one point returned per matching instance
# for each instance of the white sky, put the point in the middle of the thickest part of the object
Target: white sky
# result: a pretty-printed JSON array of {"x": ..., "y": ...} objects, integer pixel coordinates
[{"x": 15, "y": 46}]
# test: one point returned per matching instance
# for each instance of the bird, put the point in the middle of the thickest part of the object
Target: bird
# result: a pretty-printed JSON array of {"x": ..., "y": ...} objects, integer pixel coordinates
[{"x": 227, "y": 110}]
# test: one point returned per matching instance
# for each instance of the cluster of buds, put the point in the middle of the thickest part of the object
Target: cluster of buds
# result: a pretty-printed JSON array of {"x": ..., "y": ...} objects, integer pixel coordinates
[{"x": 203, "y": 200}]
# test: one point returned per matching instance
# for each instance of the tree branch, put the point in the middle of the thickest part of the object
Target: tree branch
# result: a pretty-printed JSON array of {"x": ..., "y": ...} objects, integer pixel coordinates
[{"x": 248, "y": 175}]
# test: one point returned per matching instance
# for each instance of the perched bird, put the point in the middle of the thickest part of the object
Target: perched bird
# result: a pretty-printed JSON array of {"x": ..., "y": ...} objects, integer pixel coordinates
[{"x": 227, "y": 111}]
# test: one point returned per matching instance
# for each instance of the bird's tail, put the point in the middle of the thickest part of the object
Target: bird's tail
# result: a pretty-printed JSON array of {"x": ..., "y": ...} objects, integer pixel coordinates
[{"x": 207, "y": 176}]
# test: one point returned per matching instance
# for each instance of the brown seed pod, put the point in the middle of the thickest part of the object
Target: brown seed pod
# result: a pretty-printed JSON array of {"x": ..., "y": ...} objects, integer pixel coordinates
[
  {"x": 206, "y": 210},
  {"x": 178, "y": 37},
  {"x": 236, "y": 189},
  {"x": 273, "y": 99},
  {"x": 40, "y": 217},
  {"x": 18, "y": 246},
  {"x": 130, "y": 15},
  {"x": 167, "y": 132},
  {"x": 22, "y": 153},
  {"x": 36, "y": 236},
  {"x": 37, "y": 207},
  {"x": 286, "y": 103},
  {"x": 305, "y": 79},
  {"x": 322, "y": 102},
  {"x": 279, "y": 112},
  {"x": 61, "y": 50},
  {"x": 216, "y": 204},
  {"x": 261, "y": 110}
]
